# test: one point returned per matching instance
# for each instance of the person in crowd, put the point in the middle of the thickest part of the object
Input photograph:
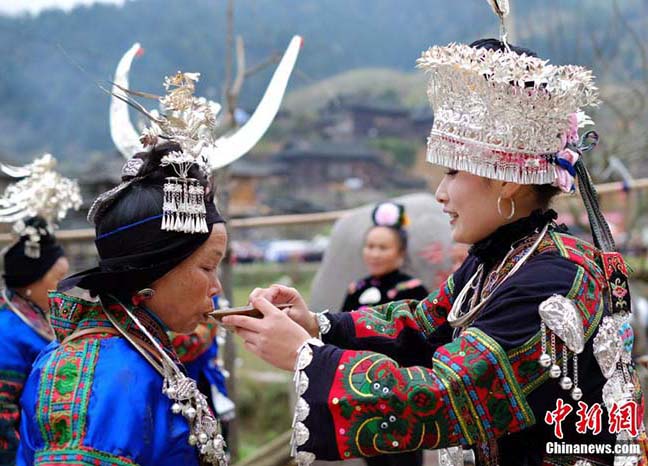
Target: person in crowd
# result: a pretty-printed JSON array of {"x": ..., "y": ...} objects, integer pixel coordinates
[
  {"x": 33, "y": 265},
  {"x": 384, "y": 252}
]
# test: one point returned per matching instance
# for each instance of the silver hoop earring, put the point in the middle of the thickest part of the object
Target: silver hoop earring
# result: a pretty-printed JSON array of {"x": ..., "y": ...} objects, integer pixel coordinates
[
  {"x": 146, "y": 293},
  {"x": 499, "y": 208}
]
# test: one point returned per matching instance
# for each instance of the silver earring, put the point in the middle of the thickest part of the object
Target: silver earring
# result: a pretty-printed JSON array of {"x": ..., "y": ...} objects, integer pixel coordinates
[
  {"x": 499, "y": 208},
  {"x": 28, "y": 292},
  {"x": 146, "y": 293}
]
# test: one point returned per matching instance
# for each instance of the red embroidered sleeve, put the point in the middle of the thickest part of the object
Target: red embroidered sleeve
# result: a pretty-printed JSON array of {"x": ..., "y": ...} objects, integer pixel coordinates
[
  {"x": 11, "y": 384},
  {"x": 390, "y": 319},
  {"x": 470, "y": 397}
]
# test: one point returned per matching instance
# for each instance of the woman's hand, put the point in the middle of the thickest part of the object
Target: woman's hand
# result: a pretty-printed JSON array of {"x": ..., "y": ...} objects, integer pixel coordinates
[
  {"x": 275, "y": 338},
  {"x": 279, "y": 294}
]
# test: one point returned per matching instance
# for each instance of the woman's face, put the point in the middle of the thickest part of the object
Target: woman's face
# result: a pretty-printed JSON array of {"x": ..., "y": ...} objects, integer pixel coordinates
[
  {"x": 382, "y": 251},
  {"x": 471, "y": 203},
  {"x": 39, "y": 290},
  {"x": 183, "y": 296}
]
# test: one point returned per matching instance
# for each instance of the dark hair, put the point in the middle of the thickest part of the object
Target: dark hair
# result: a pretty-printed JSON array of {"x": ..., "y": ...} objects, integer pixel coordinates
[
  {"x": 134, "y": 250},
  {"x": 21, "y": 269},
  {"x": 545, "y": 193},
  {"x": 144, "y": 198}
]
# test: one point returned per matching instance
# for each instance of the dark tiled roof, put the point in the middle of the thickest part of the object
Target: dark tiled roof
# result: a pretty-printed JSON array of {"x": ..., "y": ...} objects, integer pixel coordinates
[
  {"x": 257, "y": 168},
  {"x": 325, "y": 149}
]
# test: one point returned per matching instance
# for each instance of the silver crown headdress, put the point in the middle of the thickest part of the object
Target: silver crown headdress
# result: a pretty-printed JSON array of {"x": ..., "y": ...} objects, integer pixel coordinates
[
  {"x": 502, "y": 115},
  {"x": 41, "y": 192}
]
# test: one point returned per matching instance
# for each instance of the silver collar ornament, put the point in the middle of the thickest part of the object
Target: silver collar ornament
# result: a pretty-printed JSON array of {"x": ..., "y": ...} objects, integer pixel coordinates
[
  {"x": 370, "y": 296},
  {"x": 192, "y": 404}
]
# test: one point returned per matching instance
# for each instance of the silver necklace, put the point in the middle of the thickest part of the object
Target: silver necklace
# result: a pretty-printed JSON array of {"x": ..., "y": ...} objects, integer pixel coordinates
[
  {"x": 205, "y": 430},
  {"x": 457, "y": 318}
]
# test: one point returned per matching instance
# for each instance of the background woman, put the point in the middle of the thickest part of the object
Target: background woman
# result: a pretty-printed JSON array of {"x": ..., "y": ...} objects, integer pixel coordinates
[
  {"x": 33, "y": 266},
  {"x": 384, "y": 252}
]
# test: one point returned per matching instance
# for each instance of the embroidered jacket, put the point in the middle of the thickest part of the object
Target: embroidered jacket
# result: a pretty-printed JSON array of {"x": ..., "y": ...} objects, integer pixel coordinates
[
  {"x": 391, "y": 287},
  {"x": 393, "y": 378},
  {"x": 94, "y": 400},
  {"x": 24, "y": 332}
]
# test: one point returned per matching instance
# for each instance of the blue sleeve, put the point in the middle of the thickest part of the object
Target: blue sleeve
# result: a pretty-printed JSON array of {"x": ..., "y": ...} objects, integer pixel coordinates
[{"x": 19, "y": 346}]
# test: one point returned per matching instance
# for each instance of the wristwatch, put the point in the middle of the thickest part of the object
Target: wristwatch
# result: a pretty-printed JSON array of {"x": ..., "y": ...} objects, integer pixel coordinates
[{"x": 323, "y": 323}]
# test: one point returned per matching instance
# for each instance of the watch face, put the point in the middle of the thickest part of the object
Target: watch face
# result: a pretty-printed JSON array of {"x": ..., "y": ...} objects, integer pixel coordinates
[
  {"x": 323, "y": 322},
  {"x": 370, "y": 296}
]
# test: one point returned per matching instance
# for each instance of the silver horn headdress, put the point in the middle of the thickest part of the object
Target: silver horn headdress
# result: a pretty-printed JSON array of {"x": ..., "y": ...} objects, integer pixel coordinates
[{"x": 224, "y": 149}]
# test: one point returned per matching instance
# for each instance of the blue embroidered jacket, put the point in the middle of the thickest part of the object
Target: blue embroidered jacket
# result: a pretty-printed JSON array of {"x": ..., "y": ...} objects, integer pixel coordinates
[
  {"x": 95, "y": 400},
  {"x": 24, "y": 332}
]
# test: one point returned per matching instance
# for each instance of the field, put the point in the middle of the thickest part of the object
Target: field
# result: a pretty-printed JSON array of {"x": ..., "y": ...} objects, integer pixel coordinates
[{"x": 263, "y": 392}]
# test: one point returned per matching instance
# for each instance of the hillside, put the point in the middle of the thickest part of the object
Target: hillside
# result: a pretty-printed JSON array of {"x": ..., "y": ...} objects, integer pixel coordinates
[{"x": 50, "y": 63}]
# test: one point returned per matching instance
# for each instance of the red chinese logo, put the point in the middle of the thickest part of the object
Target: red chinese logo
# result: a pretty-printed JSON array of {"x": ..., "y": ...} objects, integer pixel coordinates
[
  {"x": 557, "y": 416},
  {"x": 589, "y": 419},
  {"x": 623, "y": 416}
]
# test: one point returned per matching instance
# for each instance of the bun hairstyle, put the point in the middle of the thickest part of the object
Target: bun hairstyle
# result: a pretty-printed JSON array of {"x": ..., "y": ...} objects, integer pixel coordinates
[
  {"x": 392, "y": 215},
  {"x": 496, "y": 44},
  {"x": 21, "y": 268}
]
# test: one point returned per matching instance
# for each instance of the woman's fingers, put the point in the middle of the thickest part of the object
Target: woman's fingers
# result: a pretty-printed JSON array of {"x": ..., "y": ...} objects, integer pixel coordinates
[
  {"x": 265, "y": 306},
  {"x": 244, "y": 322},
  {"x": 277, "y": 294}
]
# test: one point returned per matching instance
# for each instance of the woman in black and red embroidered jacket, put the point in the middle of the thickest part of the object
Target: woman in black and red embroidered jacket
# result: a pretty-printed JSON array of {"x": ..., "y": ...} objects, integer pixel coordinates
[{"x": 505, "y": 364}]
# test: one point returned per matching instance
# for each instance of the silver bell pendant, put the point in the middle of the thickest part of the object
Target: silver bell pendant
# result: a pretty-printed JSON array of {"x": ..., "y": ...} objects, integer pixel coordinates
[
  {"x": 554, "y": 372},
  {"x": 566, "y": 383},
  {"x": 576, "y": 394},
  {"x": 545, "y": 360}
]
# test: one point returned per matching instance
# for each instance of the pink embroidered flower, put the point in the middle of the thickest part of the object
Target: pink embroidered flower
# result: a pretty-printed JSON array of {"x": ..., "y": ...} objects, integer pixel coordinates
[
  {"x": 619, "y": 292},
  {"x": 387, "y": 214}
]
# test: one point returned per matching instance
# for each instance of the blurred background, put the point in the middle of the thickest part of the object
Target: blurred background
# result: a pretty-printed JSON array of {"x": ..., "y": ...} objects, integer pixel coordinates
[{"x": 351, "y": 130}]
